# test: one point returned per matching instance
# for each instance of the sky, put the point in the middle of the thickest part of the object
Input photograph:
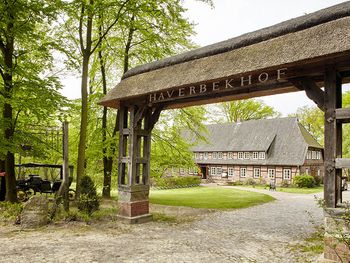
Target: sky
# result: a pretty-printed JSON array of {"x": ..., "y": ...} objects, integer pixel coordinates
[{"x": 231, "y": 18}]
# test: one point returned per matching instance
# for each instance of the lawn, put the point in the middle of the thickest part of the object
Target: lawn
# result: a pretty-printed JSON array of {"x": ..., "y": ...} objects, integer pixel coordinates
[
  {"x": 208, "y": 197},
  {"x": 294, "y": 190}
]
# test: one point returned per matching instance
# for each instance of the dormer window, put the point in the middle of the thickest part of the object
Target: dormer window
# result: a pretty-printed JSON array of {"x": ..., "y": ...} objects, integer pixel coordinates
[
  {"x": 220, "y": 155},
  {"x": 230, "y": 155},
  {"x": 205, "y": 156},
  {"x": 255, "y": 155},
  {"x": 246, "y": 155},
  {"x": 262, "y": 155},
  {"x": 240, "y": 155},
  {"x": 215, "y": 155}
]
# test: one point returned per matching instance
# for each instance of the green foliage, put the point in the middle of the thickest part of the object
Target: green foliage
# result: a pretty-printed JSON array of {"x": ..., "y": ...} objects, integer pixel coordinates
[
  {"x": 10, "y": 211},
  {"x": 301, "y": 181},
  {"x": 318, "y": 180},
  {"x": 88, "y": 201},
  {"x": 312, "y": 118},
  {"x": 285, "y": 183},
  {"x": 235, "y": 183},
  {"x": 177, "y": 181},
  {"x": 250, "y": 181},
  {"x": 243, "y": 110}
]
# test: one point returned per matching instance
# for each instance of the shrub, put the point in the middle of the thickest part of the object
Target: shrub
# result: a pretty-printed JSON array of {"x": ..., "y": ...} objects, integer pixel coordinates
[
  {"x": 235, "y": 183},
  {"x": 318, "y": 180},
  {"x": 250, "y": 181},
  {"x": 285, "y": 183},
  {"x": 177, "y": 181},
  {"x": 10, "y": 211},
  {"x": 88, "y": 201},
  {"x": 304, "y": 181}
]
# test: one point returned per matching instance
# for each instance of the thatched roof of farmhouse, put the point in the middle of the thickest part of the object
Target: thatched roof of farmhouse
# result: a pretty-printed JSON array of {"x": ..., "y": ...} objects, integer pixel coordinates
[
  {"x": 284, "y": 140},
  {"x": 306, "y": 38}
]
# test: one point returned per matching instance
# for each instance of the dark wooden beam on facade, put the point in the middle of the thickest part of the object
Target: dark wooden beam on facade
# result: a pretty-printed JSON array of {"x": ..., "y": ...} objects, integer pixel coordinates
[
  {"x": 154, "y": 117},
  {"x": 312, "y": 90}
]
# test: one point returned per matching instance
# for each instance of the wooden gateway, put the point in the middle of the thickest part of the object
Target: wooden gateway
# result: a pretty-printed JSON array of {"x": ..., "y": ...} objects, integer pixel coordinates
[{"x": 305, "y": 53}]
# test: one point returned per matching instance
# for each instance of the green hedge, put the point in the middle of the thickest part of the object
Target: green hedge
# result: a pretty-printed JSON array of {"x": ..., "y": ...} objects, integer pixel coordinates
[
  {"x": 307, "y": 181},
  {"x": 177, "y": 182}
]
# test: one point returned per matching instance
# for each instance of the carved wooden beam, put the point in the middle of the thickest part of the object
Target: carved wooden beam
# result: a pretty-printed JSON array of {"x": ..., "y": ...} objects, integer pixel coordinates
[
  {"x": 139, "y": 115},
  {"x": 311, "y": 89}
]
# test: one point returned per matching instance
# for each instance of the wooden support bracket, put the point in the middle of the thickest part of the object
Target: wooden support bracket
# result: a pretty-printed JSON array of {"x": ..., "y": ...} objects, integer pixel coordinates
[
  {"x": 139, "y": 115},
  {"x": 311, "y": 89},
  {"x": 154, "y": 118}
]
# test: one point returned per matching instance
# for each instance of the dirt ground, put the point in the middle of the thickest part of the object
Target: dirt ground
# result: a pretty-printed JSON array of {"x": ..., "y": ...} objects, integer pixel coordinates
[{"x": 262, "y": 233}]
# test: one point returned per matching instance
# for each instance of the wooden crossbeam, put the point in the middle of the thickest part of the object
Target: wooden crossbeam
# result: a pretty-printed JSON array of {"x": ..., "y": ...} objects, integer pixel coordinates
[
  {"x": 154, "y": 118},
  {"x": 343, "y": 115},
  {"x": 311, "y": 89},
  {"x": 342, "y": 163}
]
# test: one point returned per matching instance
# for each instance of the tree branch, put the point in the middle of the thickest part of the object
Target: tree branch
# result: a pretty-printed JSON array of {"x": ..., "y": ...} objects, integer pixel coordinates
[
  {"x": 110, "y": 26},
  {"x": 81, "y": 27}
]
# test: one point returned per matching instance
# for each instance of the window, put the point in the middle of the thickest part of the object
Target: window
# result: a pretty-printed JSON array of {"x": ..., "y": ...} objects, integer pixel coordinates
[
  {"x": 182, "y": 170},
  {"x": 318, "y": 155},
  {"x": 240, "y": 155},
  {"x": 243, "y": 172},
  {"x": 246, "y": 155},
  {"x": 308, "y": 156},
  {"x": 314, "y": 153},
  {"x": 271, "y": 173},
  {"x": 318, "y": 172},
  {"x": 230, "y": 155},
  {"x": 220, "y": 155},
  {"x": 231, "y": 171},
  {"x": 262, "y": 155},
  {"x": 287, "y": 174},
  {"x": 307, "y": 171},
  {"x": 215, "y": 155},
  {"x": 255, "y": 155},
  {"x": 196, "y": 155},
  {"x": 190, "y": 170},
  {"x": 212, "y": 170},
  {"x": 256, "y": 172},
  {"x": 205, "y": 156},
  {"x": 201, "y": 156}
]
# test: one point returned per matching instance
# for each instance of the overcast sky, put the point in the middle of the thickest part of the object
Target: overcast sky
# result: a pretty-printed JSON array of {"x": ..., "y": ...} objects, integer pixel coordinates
[{"x": 232, "y": 18}]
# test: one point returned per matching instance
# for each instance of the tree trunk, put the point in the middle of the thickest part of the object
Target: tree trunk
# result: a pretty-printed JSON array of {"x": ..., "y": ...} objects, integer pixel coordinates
[
  {"x": 83, "y": 123},
  {"x": 10, "y": 177},
  {"x": 2, "y": 181}
]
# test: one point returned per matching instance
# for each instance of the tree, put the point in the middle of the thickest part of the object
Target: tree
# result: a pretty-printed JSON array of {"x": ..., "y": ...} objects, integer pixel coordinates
[
  {"x": 25, "y": 57},
  {"x": 243, "y": 110},
  {"x": 85, "y": 13},
  {"x": 312, "y": 118},
  {"x": 148, "y": 31}
]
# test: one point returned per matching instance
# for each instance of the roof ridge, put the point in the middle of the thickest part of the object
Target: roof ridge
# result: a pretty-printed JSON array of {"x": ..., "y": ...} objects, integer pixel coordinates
[{"x": 289, "y": 26}]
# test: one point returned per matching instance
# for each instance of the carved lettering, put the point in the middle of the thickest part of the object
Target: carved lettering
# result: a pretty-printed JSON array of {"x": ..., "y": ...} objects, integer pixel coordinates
[
  {"x": 281, "y": 72},
  {"x": 263, "y": 77},
  {"x": 152, "y": 97},
  {"x": 202, "y": 88},
  {"x": 228, "y": 83},
  {"x": 161, "y": 96},
  {"x": 216, "y": 85},
  {"x": 170, "y": 94},
  {"x": 181, "y": 92},
  {"x": 249, "y": 80},
  {"x": 192, "y": 90}
]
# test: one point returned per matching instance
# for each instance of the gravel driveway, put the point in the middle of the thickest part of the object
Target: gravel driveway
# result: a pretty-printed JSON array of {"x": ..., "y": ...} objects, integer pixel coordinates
[{"x": 256, "y": 234}]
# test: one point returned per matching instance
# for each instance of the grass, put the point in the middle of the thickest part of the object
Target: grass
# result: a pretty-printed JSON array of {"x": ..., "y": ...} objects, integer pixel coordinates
[
  {"x": 208, "y": 197},
  {"x": 294, "y": 190}
]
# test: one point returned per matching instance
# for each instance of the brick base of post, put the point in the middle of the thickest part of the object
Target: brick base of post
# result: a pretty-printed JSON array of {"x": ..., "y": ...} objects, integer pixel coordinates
[
  {"x": 134, "y": 204},
  {"x": 335, "y": 250}
]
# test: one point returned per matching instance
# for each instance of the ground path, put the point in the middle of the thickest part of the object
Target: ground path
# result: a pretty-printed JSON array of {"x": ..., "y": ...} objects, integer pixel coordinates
[{"x": 257, "y": 234}]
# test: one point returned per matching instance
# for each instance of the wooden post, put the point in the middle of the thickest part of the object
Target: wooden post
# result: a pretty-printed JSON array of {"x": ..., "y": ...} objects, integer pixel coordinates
[
  {"x": 135, "y": 127},
  {"x": 332, "y": 139},
  {"x": 65, "y": 181}
]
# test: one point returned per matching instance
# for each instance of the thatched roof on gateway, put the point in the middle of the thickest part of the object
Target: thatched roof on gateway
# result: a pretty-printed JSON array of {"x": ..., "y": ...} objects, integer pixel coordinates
[{"x": 306, "y": 38}]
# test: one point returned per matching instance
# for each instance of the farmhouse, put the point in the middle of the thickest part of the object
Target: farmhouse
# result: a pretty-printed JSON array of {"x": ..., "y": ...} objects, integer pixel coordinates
[{"x": 264, "y": 150}]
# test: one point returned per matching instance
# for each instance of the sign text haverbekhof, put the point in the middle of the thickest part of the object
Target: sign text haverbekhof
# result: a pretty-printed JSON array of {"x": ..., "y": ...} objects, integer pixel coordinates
[{"x": 217, "y": 86}]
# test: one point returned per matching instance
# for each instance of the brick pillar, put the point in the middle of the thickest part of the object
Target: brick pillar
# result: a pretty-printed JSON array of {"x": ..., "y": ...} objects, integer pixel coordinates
[
  {"x": 336, "y": 240},
  {"x": 135, "y": 126}
]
